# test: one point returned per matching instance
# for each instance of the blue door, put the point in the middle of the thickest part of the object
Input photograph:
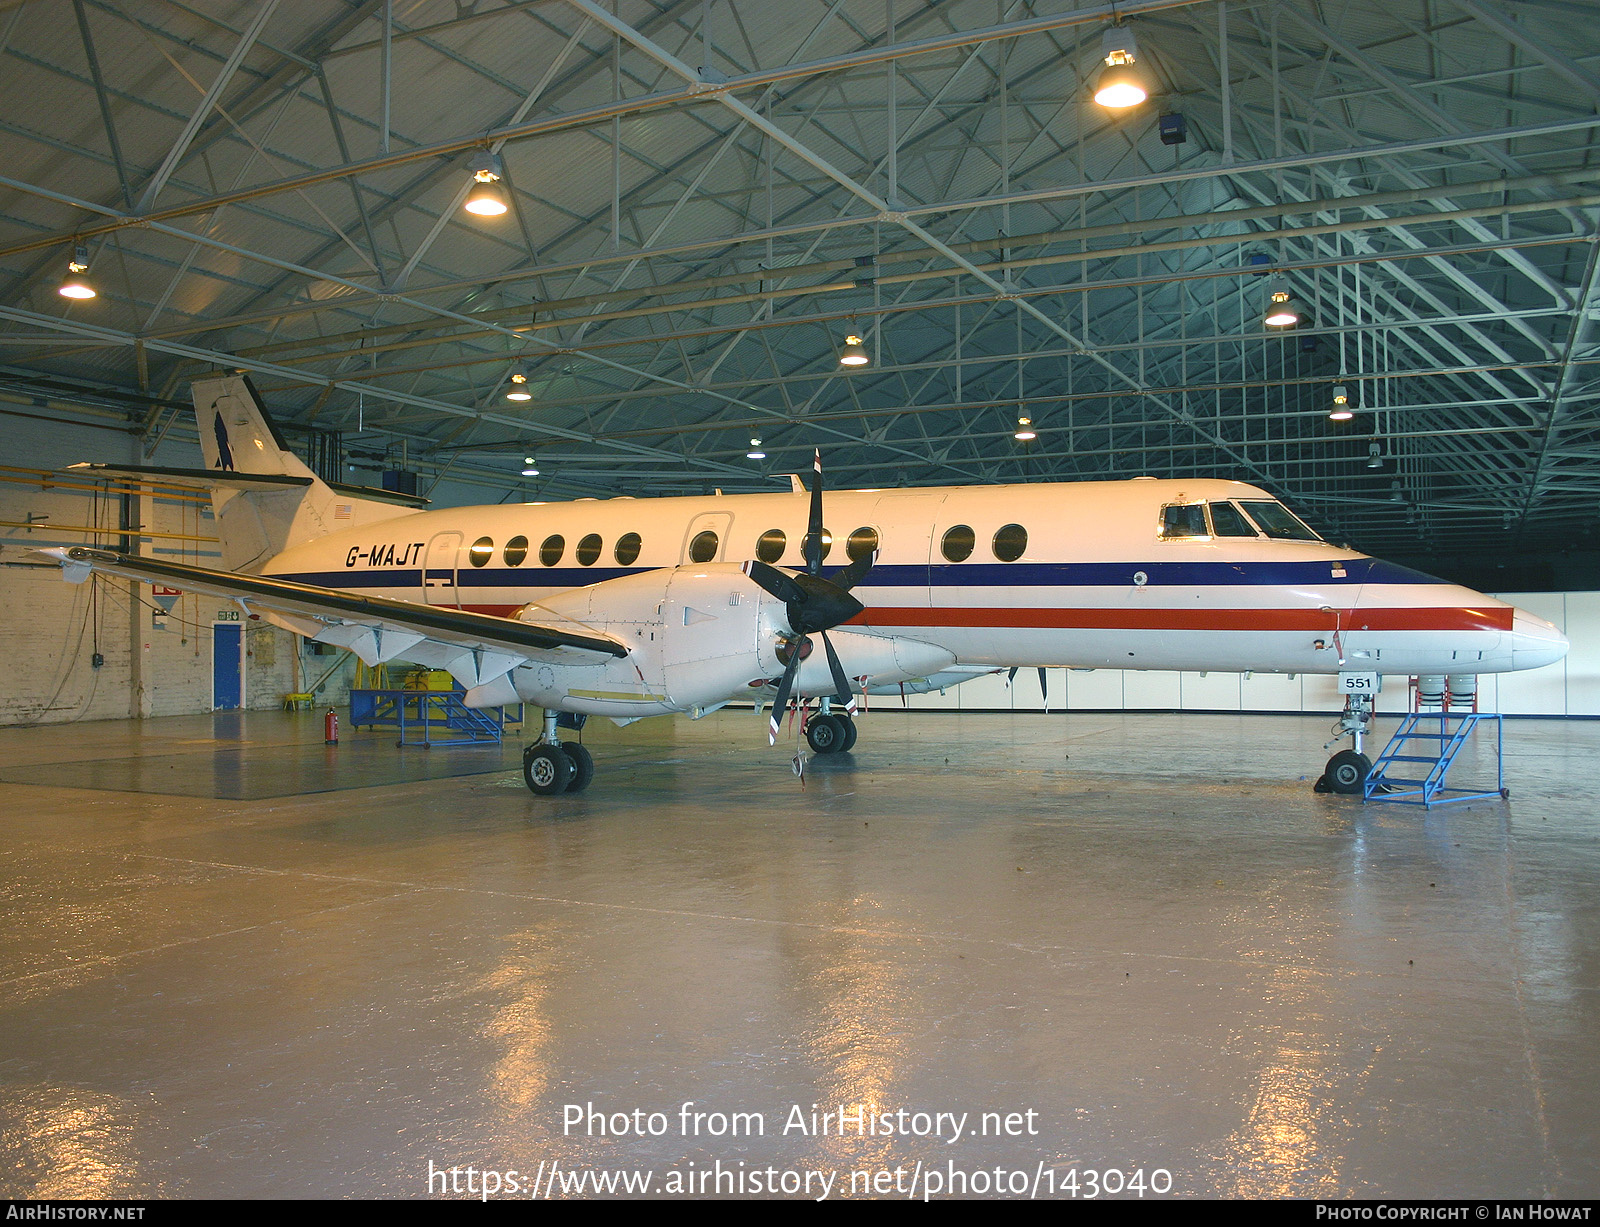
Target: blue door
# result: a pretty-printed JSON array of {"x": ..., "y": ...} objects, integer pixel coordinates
[{"x": 227, "y": 676}]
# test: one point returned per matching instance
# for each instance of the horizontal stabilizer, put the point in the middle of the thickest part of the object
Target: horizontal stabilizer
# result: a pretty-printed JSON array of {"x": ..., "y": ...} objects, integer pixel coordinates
[{"x": 189, "y": 479}]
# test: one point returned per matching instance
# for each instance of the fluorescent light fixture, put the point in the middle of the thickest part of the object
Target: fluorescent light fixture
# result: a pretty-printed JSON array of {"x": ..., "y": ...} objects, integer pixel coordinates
[
  {"x": 854, "y": 352},
  {"x": 1121, "y": 83},
  {"x": 488, "y": 195}
]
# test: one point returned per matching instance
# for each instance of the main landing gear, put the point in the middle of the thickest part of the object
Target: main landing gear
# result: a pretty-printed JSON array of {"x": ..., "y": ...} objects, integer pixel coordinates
[
  {"x": 1346, "y": 772},
  {"x": 830, "y": 732},
  {"x": 551, "y": 767}
]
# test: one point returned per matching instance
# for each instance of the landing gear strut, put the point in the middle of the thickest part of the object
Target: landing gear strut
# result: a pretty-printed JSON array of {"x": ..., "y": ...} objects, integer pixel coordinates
[
  {"x": 1346, "y": 772},
  {"x": 551, "y": 766}
]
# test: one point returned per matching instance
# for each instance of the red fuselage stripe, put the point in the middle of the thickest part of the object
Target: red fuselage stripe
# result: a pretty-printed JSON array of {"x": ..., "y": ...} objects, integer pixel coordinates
[{"x": 1442, "y": 618}]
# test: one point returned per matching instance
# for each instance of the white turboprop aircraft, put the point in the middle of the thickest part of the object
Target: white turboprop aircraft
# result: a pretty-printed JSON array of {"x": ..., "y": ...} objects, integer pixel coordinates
[{"x": 629, "y": 608}]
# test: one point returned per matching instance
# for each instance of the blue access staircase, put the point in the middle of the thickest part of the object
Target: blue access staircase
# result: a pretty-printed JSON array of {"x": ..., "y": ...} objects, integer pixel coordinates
[
  {"x": 421, "y": 715},
  {"x": 1426, "y": 745}
]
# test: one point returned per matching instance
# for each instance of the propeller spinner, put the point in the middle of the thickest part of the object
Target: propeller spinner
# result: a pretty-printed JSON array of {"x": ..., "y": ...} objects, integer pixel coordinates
[{"x": 814, "y": 605}]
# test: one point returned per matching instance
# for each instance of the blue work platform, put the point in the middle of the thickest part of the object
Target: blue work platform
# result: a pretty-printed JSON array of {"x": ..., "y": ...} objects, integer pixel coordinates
[
  {"x": 1425, "y": 747},
  {"x": 428, "y": 717}
]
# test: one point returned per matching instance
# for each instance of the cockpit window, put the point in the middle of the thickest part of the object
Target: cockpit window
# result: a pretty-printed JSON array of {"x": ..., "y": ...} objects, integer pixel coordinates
[
  {"x": 1278, "y": 521},
  {"x": 1228, "y": 521},
  {"x": 1180, "y": 520}
]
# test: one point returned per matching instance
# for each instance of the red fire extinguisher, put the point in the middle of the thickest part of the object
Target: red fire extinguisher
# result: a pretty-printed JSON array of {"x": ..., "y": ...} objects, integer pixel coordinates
[{"x": 330, "y": 727}]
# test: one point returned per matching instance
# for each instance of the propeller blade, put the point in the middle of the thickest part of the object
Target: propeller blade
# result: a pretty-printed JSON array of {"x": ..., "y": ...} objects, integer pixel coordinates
[
  {"x": 1044, "y": 690},
  {"x": 780, "y": 705},
  {"x": 813, "y": 539},
  {"x": 775, "y": 582},
  {"x": 841, "y": 683},
  {"x": 854, "y": 573}
]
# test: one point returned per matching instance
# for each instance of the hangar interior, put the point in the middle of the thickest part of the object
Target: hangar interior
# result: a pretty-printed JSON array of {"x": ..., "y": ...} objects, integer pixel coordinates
[{"x": 246, "y": 963}]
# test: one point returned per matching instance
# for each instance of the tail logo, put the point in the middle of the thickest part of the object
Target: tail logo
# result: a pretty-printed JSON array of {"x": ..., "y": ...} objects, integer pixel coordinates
[{"x": 224, "y": 452}]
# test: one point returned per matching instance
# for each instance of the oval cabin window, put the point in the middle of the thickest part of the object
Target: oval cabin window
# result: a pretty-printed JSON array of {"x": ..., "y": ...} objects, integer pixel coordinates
[
  {"x": 516, "y": 551},
  {"x": 770, "y": 545},
  {"x": 861, "y": 543},
  {"x": 704, "y": 547},
  {"x": 627, "y": 551},
  {"x": 482, "y": 550},
  {"x": 554, "y": 546},
  {"x": 827, "y": 543},
  {"x": 588, "y": 550},
  {"x": 1010, "y": 543},
  {"x": 958, "y": 542}
]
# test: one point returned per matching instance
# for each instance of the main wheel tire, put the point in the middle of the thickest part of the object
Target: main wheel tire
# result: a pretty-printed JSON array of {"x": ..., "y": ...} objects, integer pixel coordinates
[
  {"x": 582, "y": 765},
  {"x": 547, "y": 770},
  {"x": 825, "y": 734},
  {"x": 1347, "y": 772},
  {"x": 851, "y": 732}
]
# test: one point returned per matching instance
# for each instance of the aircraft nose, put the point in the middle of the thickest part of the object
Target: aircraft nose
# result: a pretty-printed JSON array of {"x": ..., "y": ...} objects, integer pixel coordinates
[{"x": 1535, "y": 642}]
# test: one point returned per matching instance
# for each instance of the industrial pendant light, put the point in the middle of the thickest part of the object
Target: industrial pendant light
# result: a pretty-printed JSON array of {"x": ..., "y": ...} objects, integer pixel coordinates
[
  {"x": 530, "y": 467},
  {"x": 1025, "y": 432},
  {"x": 1341, "y": 411},
  {"x": 755, "y": 452},
  {"x": 519, "y": 386},
  {"x": 854, "y": 352},
  {"x": 1283, "y": 310},
  {"x": 76, "y": 283},
  {"x": 488, "y": 195},
  {"x": 1121, "y": 83},
  {"x": 1374, "y": 456}
]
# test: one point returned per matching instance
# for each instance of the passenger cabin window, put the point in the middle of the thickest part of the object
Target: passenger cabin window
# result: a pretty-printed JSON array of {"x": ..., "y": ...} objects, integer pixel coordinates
[
  {"x": 770, "y": 545},
  {"x": 1010, "y": 543},
  {"x": 827, "y": 543},
  {"x": 516, "y": 551},
  {"x": 482, "y": 550},
  {"x": 1278, "y": 522},
  {"x": 588, "y": 550},
  {"x": 958, "y": 543},
  {"x": 1228, "y": 521},
  {"x": 861, "y": 543},
  {"x": 704, "y": 547},
  {"x": 627, "y": 550},
  {"x": 1180, "y": 520},
  {"x": 554, "y": 546}
]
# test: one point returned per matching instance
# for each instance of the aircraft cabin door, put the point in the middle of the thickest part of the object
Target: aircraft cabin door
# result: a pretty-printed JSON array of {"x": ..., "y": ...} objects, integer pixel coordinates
[
  {"x": 439, "y": 570},
  {"x": 707, "y": 538},
  {"x": 912, "y": 525}
]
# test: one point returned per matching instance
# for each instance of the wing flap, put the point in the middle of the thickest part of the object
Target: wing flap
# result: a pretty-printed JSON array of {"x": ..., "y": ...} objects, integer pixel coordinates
[{"x": 476, "y": 648}]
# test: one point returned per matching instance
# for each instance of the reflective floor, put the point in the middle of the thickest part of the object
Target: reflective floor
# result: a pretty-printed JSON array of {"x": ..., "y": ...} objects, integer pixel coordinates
[{"x": 1139, "y": 943}]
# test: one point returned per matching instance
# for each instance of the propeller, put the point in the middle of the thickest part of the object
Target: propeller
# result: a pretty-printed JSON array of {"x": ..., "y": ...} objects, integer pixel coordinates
[{"x": 814, "y": 605}]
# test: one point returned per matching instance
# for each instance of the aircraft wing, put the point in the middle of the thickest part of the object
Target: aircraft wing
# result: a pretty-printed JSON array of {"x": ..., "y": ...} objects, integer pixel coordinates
[{"x": 475, "y": 648}]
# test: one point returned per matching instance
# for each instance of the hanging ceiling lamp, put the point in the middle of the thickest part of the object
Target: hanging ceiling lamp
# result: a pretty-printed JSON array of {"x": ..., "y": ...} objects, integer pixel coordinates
[
  {"x": 519, "y": 386},
  {"x": 1283, "y": 309},
  {"x": 1025, "y": 432},
  {"x": 755, "y": 452},
  {"x": 854, "y": 352},
  {"x": 76, "y": 283},
  {"x": 487, "y": 198},
  {"x": 1121, "y": 83},
  {"x": 1341, "y": 411},
  {"x": 530, "y": 467}
]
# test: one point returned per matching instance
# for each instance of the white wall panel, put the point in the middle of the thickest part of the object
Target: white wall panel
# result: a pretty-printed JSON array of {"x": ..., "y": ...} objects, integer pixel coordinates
[
  {"x": 987, "y": 693},
  {"x": 1094, "y": 688},
  {"x": 1211, "y": 691},
  {"x": 1582, "y": 627},
  {"x": 1151, "y": 690},
  {"x": 1271, "y": 692}
]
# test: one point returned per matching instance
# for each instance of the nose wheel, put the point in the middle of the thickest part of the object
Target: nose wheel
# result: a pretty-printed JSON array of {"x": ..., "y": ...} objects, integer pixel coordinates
[
  {"x": 1346, "y": 772},
  {"x": 551, "y": 767}
]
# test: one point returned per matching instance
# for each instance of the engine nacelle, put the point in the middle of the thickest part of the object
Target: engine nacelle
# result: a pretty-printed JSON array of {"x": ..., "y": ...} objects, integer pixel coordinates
[
  {"x": 881, "y": 659},
  {"x": 698, "y": 634}
]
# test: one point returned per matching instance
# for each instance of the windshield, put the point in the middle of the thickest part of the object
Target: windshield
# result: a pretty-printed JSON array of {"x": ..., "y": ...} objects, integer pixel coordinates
[{"x": 1278, "y": 521}]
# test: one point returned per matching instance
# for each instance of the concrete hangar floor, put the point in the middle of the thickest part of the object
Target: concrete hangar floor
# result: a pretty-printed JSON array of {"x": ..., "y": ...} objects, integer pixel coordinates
[{"x": 238, "y": 963}]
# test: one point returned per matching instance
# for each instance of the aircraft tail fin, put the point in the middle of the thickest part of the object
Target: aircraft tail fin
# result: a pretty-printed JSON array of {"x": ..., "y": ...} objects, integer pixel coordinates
[{"x": 257, "y": 519}]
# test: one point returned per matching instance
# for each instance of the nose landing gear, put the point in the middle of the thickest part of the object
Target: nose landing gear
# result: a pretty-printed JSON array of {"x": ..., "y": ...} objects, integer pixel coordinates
[{"x": 1346, "y": 772}]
